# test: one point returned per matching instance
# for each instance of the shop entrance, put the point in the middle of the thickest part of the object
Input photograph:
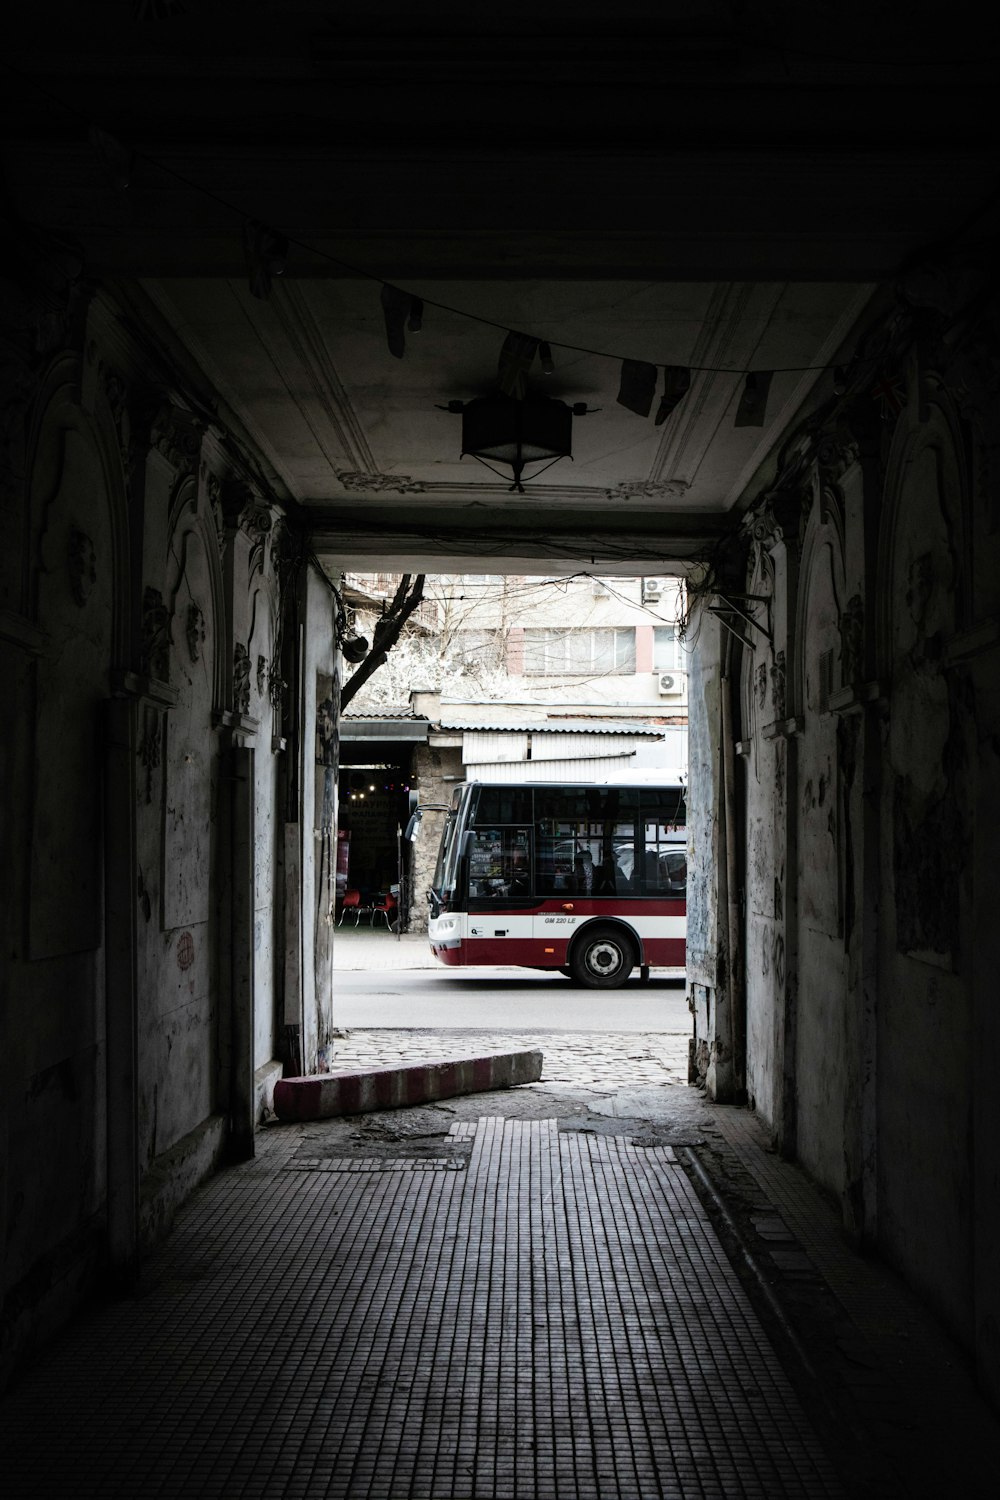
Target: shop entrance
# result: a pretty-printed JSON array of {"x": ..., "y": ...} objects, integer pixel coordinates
[{"x": 373, "y": 879}]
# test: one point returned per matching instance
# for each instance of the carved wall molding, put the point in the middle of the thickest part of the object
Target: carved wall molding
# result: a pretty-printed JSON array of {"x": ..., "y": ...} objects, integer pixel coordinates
[
  {"x": 244, "y": 510},
  {"x": 837, "y": 452},
  {"x": 778, "y": 685},
  {"x": 241, "y": 680},
  {"x": 195, "y": 630},
  {"x": 201, "y": 612},
  {"x": 212, "y": 489},
  {"x": 647, "y": 489},
  {"x": 149, "y": 751},
  {"x": 155, "y": 650},
  {"x": 851, "y": 627},
  {"x": 176, "y": 436},
  {"x": 760, "y": 685},
  {"x": 278, "y": 547},
  {"x": 116, "y": 394},
  {"x": 932, "y": 454},
  {"x": 760, "y": 569},
  {"x": 778, "y": 516},
  {"x": 82, "y": 565},
  {"x": 397, "y": 484}
]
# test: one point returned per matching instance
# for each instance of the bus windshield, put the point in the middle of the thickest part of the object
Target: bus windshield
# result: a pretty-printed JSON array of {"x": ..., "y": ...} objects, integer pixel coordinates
[{"x": 446, "y": 870}]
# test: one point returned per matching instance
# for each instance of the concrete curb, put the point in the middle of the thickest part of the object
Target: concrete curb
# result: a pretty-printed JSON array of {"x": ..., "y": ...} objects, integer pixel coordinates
[{"x": 321, "y": 1096}]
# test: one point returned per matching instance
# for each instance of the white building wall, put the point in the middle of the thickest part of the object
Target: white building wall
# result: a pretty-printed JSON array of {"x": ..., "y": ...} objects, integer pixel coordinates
[
  {"x": 494, "y": 745},
  {"x": 599, "y": 768}
]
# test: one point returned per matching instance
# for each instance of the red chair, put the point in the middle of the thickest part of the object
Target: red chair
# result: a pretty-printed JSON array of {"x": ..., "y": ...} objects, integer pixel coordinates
[
  {"x": 351, "y": 903},
  {"x": 385, "y": 905}
]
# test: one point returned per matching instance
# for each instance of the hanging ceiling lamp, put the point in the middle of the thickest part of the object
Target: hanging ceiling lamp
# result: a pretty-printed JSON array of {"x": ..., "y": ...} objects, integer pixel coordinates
[{"x": 503, "y": 430}]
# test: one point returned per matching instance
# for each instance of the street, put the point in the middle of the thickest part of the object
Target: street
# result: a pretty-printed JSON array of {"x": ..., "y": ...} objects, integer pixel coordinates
[{"x": 492, "y": 998}]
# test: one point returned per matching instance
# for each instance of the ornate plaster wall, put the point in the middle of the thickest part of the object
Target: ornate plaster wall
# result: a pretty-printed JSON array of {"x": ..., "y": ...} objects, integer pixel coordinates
[
  {"x": 867, "y": 725},
  {"x": 147, "y": 788}
]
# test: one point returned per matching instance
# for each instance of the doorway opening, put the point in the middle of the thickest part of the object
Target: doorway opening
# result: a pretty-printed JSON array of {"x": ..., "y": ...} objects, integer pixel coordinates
[{"x": 373, "y": 859}]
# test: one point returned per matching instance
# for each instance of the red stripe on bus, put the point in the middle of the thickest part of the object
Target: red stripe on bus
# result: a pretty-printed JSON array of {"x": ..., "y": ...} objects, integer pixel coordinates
[
  {"x": 592, "y": 906},
  {"x": 448, "y": 955},
  {"x": 531, "y": 952},
  {"x": 549, "y": 953}
]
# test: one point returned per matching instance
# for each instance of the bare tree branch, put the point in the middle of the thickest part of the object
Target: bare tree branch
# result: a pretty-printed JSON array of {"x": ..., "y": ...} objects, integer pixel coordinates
[{"x": 386, "y": 633}]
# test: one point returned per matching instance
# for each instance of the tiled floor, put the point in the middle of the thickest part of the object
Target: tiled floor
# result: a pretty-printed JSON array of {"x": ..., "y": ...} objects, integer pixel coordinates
[
  {"x": 549, "y": 1316},
  {"x": 438, "y": 1302},
  {"x": 905, "y": 1395}
]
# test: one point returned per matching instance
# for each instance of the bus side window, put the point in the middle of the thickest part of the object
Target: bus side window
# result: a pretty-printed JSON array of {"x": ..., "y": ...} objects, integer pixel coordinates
[
  {"x": 499, "y": 863},
  {"x": 664, "y": 865},
  {"x": 674, "y": 868}
]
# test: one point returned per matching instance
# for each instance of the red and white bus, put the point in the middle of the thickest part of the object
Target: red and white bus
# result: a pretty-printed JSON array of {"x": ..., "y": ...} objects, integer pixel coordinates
[{"x": 590, "y": 880}]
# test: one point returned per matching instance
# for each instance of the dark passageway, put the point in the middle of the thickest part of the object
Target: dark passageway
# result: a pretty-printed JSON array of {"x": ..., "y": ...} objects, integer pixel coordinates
[{"x": 264, "y": 268}]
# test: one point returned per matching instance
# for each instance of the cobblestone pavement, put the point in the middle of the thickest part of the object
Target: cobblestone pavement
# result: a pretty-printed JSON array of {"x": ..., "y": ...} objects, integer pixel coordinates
[{"x": 600, "y": 1062}]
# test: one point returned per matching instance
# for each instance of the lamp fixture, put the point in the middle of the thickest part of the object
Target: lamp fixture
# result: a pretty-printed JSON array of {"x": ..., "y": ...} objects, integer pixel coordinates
[
  {"x": 353, "y": 646},
  {"x": 513, "y": 431}
]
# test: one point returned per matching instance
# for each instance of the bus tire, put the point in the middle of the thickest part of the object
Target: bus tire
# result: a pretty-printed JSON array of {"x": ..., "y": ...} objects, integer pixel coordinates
[{"x": 603, "y": 957}]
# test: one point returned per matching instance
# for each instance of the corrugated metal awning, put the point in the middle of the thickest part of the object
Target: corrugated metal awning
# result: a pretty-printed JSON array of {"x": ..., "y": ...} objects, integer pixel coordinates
[
  {"x": 411, "y": 731},
  {"x": 551, "y": 726},
  {"x": 600, "y": 768}
]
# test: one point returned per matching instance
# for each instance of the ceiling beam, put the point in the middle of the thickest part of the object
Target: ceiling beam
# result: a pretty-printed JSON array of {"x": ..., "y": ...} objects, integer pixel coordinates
[{"x": 539, "y": 542}]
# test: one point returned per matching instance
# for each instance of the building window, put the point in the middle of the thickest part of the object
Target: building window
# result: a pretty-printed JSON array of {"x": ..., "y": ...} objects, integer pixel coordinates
[
  {"x": 666, "y": 649},
  {"x": 556, "y": 653},
  {"x": 478, "y": 647}
]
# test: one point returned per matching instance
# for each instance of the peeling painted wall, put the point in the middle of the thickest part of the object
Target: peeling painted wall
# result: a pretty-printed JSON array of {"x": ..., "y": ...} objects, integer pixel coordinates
[
  {"x": 143, "y": 570},
  {"x": 705, "y": 811},
  {"x": 926, "y": 1009},
  {"x": 59, "y": 619},
  {"x": 178, "y": 843},
  {"x": 825, "y": 1043},
  {"x": 319, "y": 669},
  {"x": 868, "y": 731}
]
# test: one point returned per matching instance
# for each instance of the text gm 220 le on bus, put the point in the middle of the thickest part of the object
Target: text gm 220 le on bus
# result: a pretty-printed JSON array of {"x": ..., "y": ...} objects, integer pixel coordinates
[{"x": 590, "y": 880}]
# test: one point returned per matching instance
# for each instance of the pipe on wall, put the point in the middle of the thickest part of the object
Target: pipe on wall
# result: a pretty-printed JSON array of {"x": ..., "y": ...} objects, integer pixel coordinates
[{"x": 734, "y": 949}]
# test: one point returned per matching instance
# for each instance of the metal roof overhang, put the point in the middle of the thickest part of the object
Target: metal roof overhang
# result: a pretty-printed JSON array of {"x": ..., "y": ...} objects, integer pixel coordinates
[
  {"x": 412, "y": 731},
  {"x": 551, "y": 726}
]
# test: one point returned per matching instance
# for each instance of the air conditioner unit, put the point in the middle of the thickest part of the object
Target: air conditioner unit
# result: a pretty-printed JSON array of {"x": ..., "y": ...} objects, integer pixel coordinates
[
  {"x": 670, "y": 684},
  {"x": 652, "y": 590}
]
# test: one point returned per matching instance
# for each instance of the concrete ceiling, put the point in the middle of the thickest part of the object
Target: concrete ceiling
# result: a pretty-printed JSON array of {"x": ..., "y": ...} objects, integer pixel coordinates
[
  {"x": 688, "y": 181},
  {"x": 358, "y": 437}
]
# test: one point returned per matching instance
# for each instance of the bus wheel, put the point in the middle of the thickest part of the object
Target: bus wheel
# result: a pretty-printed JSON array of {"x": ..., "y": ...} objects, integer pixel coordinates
[{"x": 602, "y": 958}]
